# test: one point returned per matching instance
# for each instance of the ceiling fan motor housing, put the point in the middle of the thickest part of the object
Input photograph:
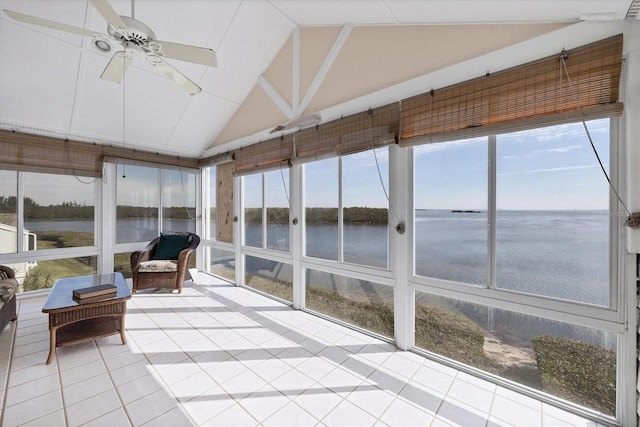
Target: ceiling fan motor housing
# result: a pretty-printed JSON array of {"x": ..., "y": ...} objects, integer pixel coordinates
[{"x": 136, "y": 32}]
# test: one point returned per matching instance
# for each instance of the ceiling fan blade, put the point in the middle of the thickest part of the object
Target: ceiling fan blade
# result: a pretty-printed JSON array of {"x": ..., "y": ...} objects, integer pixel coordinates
[
  {"x": 175, "y": 75},
  {"x": 118, "y": 65},
  {"x": 185, "y": 52},
  {"x": 108, "y": 13},
  {"x": 28, "y": 19}
]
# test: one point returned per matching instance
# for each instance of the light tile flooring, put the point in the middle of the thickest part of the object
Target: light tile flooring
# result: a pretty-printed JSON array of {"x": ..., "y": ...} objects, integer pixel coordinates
[{"x": 219, "y": 355}]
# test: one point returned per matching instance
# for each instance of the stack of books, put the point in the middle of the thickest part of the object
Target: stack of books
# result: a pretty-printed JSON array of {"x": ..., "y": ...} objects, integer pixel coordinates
[{"x": 94, "y": 293}]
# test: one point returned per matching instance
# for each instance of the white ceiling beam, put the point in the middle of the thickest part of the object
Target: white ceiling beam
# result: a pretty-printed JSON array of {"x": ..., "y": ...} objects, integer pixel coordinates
[
  {"x": 325, "y": 67},
  {"x": 275, "y": 96},
  {"x": 295, "y": 75}
]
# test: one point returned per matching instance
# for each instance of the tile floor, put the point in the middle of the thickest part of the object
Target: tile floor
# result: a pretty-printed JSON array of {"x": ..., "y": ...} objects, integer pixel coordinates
[{"x": 218, "y": 355}]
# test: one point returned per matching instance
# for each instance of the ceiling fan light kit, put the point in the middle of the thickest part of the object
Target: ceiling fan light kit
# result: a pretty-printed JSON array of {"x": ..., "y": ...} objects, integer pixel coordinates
[
  {"x": 134, "y": 36},
  {"x": 101, "y": 43}
]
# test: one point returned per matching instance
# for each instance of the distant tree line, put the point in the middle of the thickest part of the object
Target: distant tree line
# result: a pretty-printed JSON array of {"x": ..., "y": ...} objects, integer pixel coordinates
[
  {"x": 174, "y": 212},
  {"x": 73, "y": 210},
  {"x": 321, "y": 215},
  {"x": 8, "y": 204},
  {"x": 33, "y": 210}
]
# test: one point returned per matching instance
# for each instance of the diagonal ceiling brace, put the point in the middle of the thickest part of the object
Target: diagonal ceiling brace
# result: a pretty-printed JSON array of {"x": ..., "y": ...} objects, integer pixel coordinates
[
  {"x": 324, "y": 68},
  {"x": 276, "y": 97}
]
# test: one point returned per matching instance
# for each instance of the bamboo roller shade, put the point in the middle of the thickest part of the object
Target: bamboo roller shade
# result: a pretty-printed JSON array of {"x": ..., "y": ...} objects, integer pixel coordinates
[
  {"x": 33, "y": 153},
  {"x": 269, "y": 154},
  {"x": 37, "y": 153},
  {"x": 352, "y": 134},
  {"x": 531, "y": 95},
  {"x": 347, "y": 135}
]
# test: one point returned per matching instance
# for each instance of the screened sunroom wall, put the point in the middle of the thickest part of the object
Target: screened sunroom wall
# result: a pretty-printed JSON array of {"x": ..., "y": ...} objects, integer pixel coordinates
[
  {"x": 399, "y": 271},
  {"x": 399, "y": 182}
]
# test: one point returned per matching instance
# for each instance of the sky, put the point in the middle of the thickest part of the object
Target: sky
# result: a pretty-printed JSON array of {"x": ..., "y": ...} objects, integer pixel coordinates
[
  {"x": 546, "y": 168},
  {"x": 552, "y": 168},
  {"x": 141, "y": 187},
  {"x": 362, "y": 185},
  {"x": 141, "y": 184}
]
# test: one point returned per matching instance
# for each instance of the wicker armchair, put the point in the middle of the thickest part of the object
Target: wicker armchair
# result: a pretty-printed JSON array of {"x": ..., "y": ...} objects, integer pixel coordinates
[
  {"x": 151, "y": 268},
  {"x": 8, "y": 288}
]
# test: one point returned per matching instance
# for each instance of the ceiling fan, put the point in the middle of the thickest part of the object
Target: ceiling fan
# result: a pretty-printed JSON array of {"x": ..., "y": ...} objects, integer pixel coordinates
[{"x": 135, "y": 37}]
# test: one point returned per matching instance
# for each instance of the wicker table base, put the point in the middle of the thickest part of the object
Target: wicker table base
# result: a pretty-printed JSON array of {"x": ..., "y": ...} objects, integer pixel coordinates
[{"x": 72, "y": 323}]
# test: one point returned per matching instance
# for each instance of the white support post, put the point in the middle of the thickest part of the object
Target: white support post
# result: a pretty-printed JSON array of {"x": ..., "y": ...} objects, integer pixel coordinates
[
  {"x": 238, "y": 228},
  {"x": 202, "y": 223},
  {"x": 628, "y": 154},
  {"x": 297, "y": 242},
  {"x": 400, "y": 244},
  {"x": 630, "y": 95}
]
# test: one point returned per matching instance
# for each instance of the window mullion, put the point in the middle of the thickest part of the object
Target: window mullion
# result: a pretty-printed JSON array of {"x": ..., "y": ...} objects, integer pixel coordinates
[
  {"x": 491, "y": 212},
  {"x": 239, "y": 229},
  {"x": 340, "y": 214},
  {"x": 20, "y": 212},
  {"x": 160, "y": 201},
  {"x": 264, "y": 211}
]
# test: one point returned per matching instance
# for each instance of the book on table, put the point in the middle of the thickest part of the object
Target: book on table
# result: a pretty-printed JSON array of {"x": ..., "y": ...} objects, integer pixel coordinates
[
  {"x": 98, "y": 298},
  {"x": 104, "y": 291}
]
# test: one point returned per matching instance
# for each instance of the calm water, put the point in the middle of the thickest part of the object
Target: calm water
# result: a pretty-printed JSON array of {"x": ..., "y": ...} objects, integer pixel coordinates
[
  {"x": 562, "y": 254},
  {"x": 127, "y": 230}
]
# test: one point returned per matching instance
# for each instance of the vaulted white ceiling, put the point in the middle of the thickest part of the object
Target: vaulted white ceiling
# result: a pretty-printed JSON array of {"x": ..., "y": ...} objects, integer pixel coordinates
[{"x": 277, "y": 60}]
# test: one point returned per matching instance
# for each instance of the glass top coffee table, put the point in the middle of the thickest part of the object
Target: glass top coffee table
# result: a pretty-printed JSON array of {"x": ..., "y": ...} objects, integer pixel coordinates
[{"x": 71, "y": 322}]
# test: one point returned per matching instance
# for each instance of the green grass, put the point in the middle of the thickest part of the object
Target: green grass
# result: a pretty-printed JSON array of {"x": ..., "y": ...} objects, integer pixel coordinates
[
  {"x": 277, "y": 288},
  {"x": 581, "y": 372},
  {"x": 64, "y": 239},
  {"x": 46, "y": 272},
  {"x": 376, "y": 317},
  {"x": 450, "y": 334},
  {"x": 122, "y": 264}
]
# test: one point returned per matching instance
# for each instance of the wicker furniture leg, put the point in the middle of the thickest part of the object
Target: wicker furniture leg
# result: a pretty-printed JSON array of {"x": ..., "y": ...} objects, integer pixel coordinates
[
  {"x": 52, "y": 345},
  {"x": 124, "y": 340}
]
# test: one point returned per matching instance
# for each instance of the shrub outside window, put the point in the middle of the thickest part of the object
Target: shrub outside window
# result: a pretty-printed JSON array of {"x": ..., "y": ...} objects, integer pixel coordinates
[{"x": 568, "y": 361}]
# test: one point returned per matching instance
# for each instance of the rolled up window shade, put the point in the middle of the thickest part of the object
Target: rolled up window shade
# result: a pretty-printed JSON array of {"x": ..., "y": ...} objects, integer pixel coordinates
[
  {"x": 44, "y": 154},
  {"x": 359, "y": 132},
  {"x": 144, "y": 158},
  {"x": 265, "y": 155},
  {"x": 215, "y": 160},
  {"x": 531, "y": 95},
  {"x": 36, "y": 153}
]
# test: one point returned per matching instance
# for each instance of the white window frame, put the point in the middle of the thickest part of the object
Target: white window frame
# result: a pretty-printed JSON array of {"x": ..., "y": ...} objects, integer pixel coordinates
[{"x": 610, "y": 319}]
